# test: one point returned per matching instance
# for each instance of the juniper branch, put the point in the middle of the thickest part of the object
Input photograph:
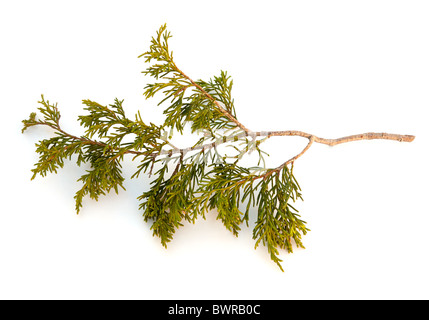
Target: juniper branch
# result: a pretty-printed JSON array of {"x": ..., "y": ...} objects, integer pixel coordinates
[{"x": 202, "y": 179}]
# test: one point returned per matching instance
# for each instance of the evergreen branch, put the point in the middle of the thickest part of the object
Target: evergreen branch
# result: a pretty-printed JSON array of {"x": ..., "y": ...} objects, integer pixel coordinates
[
  {"x": 202, "y": 179},
  {"x": 227, "y": 114}
]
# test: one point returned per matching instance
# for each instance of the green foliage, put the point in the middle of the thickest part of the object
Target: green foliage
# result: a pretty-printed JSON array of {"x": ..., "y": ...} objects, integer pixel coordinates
[
  {"x": 104, "y": 175},
  {"x": 198, "y": 106},
  {"x": 52, "y": 153},
  {"x": 221, "y": 190},
  {"x": 188, "y": 182},
  {"x": 278, "y": 222},
  {"x": 171, "y": 199}
]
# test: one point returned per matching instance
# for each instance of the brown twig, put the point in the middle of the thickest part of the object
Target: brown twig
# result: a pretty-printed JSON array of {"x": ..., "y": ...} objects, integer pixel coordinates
[{"x": 356, "y": 137}]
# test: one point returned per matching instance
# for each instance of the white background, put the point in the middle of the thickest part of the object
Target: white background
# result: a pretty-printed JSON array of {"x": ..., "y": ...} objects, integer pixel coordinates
[{"x": 331, "y": 68}]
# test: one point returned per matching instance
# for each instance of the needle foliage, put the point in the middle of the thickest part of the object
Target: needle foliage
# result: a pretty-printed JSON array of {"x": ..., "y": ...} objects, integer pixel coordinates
[{"x": 188, "y": 183}]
